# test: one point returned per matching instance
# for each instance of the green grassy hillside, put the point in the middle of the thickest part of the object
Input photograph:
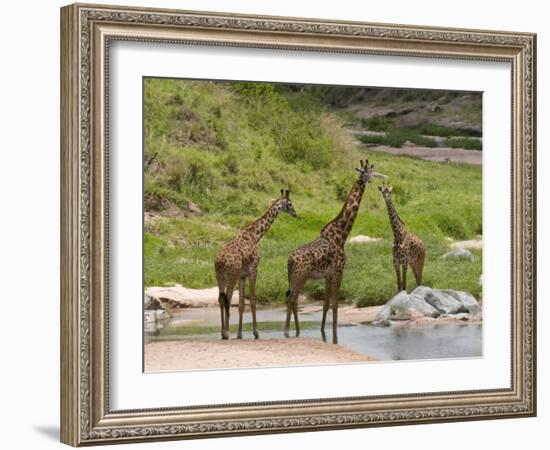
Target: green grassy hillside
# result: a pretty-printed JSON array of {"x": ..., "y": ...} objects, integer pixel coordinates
[{"x": 230, "y": 147}]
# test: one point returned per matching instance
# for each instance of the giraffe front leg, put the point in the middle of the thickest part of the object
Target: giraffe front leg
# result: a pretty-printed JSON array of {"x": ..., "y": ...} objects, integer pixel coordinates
[
  {"x": 325, "y": 308},
  {"x": 398, "y": 273},
  {"x": 241, "y": 308},
  {"x": 252, "y": 280},
  {"x": 404, "y": 277},
  {"x": 334, "y": 288}
]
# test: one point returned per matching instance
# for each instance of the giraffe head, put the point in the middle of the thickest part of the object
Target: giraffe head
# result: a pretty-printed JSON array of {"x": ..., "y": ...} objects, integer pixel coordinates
[
  {"x": 385, "y": 189},
  {"x": 285, "y": 204},
  {"x": 366, "y": 172}
]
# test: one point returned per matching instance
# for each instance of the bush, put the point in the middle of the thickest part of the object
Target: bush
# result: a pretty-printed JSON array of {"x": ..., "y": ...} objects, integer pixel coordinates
[
  {"x": 466, "y": 143},
  {"x": 378, "y": 123}
]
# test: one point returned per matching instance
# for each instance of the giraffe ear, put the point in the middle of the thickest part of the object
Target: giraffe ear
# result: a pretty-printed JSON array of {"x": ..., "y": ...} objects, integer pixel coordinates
[
  {"x": 287, "y": 193},
  {"x": 390, "y": 188}
]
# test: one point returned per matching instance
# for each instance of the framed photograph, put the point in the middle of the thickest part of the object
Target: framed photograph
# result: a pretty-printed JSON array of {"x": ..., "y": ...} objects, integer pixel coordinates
[{"x": 275, "y": 224}]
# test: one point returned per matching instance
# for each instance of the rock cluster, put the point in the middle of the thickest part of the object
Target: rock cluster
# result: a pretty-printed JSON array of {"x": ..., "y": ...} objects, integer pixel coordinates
[{"x": 431, "y": 304}]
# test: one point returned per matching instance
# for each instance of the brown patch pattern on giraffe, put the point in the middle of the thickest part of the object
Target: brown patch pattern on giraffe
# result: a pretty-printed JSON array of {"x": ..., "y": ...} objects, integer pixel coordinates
[
  {"x": 325, "y": 257},
  {"x": 238, "y": 261},
  {"x": 407, "y": 248}
]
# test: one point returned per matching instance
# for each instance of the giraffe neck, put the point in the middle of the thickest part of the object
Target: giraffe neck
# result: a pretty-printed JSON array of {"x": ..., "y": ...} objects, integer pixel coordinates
[
  {"x": 258, "y": 228},
  {"x": 397, "y": 225},
  {"x": 342, "y": 224}
]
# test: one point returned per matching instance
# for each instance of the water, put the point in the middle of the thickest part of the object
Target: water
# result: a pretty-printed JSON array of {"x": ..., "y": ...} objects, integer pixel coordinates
[{"x": 383, "y": 343}]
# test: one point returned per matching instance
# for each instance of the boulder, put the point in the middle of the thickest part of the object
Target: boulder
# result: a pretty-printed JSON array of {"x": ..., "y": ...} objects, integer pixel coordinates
[
  {"x": 405, "y": 307},
  {"x": 151, "y": 303},
  {"x": 440, "y": 300},
  {"x": 426, "y": 303},
  {"x": 468, "y": 301},
  {"x": 459, "y": 253}
]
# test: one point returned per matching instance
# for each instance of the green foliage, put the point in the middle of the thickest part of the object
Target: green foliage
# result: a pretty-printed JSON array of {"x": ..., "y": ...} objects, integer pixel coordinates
[
  {"x": 439, "y": 130},
  {"x": 229, "y": 149},
  {"x": 378, "y": 123},
  {"x": 466, "y": 143}
]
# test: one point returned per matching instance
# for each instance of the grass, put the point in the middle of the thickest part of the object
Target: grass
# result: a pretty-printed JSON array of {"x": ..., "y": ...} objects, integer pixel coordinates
[
  {"x": 439, "y": 130},
  {"x": 220, "y": 146},
  {"x": 465, "y": 143}
]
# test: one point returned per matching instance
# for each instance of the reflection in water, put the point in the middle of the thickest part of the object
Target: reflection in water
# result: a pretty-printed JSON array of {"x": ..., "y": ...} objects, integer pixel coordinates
[{"x": 383, "y": 343}]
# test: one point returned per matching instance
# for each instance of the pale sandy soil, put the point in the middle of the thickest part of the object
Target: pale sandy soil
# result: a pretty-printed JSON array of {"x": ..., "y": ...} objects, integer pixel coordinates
[
  {"x": 190, "y": 355},
  {"x": 348, "y": 314}
]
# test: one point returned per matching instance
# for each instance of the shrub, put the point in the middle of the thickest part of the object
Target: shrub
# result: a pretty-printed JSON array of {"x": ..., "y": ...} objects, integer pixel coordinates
[
  {"x": 378, "y": 123},
  {"x": 466, "y": 143}
]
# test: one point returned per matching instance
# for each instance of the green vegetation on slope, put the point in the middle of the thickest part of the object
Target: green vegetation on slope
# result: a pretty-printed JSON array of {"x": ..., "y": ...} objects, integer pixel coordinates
[
  {"x": 230, "y": 147},
  {"x": 421, "y": 135}
]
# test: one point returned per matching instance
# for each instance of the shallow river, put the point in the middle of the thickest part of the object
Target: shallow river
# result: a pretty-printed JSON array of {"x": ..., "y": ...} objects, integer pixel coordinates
[{"x": 382, "y": 343}]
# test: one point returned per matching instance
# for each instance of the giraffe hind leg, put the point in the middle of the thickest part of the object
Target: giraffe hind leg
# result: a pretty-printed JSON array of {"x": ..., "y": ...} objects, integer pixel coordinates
[
  {"x": 291, "y": 308},
  {"x": 222, "y": 299},
  {"x": 288, "y": 312},
  {"x": 241, "y": 308},
  {"x": 227, "y": 305},
  {"x": 417, "y": 268},
  {"x": 252, "y": 281}
]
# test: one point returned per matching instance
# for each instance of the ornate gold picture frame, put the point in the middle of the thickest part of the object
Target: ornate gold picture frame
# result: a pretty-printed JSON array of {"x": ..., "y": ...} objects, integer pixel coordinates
[{"x": 87, "y": 31}]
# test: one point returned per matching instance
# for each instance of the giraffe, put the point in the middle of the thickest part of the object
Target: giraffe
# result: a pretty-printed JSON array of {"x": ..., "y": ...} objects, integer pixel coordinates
[
  {"x": 407, "y": 248},
  {"x": 238, "y": 260},
  {"x": 325, "y": 257}
]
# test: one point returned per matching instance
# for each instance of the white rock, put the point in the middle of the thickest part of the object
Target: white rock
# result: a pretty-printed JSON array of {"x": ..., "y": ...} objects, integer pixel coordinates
[
  {"x": 472, "y": 244},
  {"x": 362, "y": 239},
  {"x": 459, "y": 253}
]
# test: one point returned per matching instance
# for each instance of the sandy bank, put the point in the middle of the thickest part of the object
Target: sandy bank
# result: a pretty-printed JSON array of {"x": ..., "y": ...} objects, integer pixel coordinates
[{"x": 189, "y": 355}]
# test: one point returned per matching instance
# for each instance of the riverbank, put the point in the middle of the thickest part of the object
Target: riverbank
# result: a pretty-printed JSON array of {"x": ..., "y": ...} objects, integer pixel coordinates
[{"x": 209, "y": 354}]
